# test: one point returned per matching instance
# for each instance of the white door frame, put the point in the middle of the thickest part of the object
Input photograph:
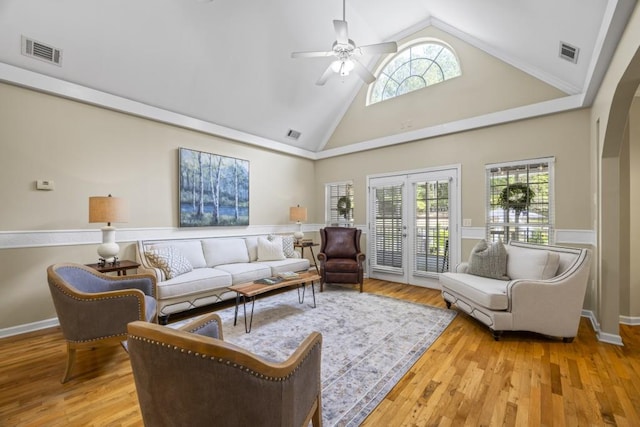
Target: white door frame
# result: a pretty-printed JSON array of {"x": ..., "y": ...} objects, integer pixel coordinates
[{"x": 409, "y": 177}]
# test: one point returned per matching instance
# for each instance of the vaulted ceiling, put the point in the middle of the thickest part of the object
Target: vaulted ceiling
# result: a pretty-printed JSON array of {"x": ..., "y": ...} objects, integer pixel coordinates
[{"x": 226, "y": 64}]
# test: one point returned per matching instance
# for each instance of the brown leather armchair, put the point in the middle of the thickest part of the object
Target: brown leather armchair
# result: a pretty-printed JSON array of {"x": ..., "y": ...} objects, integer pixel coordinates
[
  {"x": 196, "y": 379},
  {"x": 94, "y": 308},
  {"x": 341, "y": 260}
]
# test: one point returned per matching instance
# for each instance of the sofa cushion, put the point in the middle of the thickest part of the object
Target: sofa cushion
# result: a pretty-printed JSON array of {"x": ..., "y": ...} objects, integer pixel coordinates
[
  {"x": 245, "y": 272},
  {"x": 191, "y": 249},
  {"x": 484, "y": 291},
  {"x": 219, "y": 251},
  {"x": 489, "y": 260},
  {"x": 289, "y": 264},
  {"x": 170, "y": 260},
  {"x": 196, "y": 281},
  {"x": 270, "y": 250},
  {"x": 534, "y": 264}
]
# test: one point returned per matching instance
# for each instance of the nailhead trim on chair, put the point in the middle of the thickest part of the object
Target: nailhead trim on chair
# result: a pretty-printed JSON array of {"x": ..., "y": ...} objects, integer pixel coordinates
[{"x": 221, "y": 360}]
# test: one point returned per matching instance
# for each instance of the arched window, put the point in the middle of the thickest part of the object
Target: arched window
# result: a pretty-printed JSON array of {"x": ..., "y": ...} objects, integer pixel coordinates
[{"x": 421, "y": 64}]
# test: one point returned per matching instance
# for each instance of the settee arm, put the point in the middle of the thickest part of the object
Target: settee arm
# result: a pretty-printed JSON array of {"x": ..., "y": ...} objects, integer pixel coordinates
[{"x": 551, "y": 307}]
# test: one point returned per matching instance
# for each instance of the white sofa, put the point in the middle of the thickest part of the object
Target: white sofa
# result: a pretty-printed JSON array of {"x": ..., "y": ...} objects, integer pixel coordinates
[
  {"x": 545, "y": 293},
  {"x": 203, "y": 269}
]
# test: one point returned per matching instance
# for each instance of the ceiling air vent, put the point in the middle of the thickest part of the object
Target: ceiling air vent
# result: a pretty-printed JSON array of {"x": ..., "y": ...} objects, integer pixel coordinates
[
  {"x": 41, "y": 51},
  {"x": 293, "y": 134},
  {"x": 568, "y": 52}
]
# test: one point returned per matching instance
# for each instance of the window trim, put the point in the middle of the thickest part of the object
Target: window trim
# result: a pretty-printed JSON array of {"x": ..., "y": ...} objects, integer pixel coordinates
[
  {"x": 390, "y": 57},
  {"x": 551, "y": 224},
  {"x": 328, "y": 208}
]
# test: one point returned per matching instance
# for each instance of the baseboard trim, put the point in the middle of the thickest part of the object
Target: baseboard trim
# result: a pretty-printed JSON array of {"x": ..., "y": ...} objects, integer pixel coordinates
[
  {"x": 29, "y": 327},
  {"x": 602, "y": 336},
  {"x": 630, "y": 320}
]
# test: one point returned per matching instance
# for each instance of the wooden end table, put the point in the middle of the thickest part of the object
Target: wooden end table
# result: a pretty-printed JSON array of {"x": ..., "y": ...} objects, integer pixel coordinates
[
  {"x": 119, "y": 267},
  {"x": 309, "y": 245},
  {"x": 251, "y": 289}
]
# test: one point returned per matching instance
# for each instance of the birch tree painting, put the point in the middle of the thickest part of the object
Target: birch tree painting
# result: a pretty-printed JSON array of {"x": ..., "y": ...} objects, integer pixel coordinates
[{"x": 214, "y": 190}]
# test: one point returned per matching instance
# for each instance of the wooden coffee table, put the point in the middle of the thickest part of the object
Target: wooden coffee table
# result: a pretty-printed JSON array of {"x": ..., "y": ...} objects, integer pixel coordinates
[{"x": 251, "y": 289}]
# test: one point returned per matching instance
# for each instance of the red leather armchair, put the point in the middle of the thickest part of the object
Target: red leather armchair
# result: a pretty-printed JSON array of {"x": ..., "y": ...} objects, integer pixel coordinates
[{"x": 341, "y": 260}]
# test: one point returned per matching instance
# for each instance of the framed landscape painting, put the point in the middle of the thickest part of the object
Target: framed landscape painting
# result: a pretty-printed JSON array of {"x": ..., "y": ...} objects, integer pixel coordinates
[{"x": 214, "y": 190}]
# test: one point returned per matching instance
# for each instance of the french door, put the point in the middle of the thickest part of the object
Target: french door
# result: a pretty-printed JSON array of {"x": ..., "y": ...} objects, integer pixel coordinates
[{"x": 413, "y": 226}]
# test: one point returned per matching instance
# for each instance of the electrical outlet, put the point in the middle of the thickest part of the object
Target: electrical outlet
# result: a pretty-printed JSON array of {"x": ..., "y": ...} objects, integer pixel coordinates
[{"x": 466, "y": 222}]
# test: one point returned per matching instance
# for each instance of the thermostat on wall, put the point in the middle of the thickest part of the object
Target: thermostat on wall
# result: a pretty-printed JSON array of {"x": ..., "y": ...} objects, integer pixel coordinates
[{"x": 43, "y": 184}]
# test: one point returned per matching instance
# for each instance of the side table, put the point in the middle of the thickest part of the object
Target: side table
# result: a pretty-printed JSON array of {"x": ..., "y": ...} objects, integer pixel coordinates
[
  {"x": 120, "y": 267},
  {"x": 309, "y": 245}
]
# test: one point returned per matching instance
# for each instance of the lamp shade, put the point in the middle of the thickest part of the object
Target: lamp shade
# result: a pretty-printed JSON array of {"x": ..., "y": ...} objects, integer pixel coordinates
[
  {"x": 108, "y": 209},
  {"x": 297, "y": 214}
]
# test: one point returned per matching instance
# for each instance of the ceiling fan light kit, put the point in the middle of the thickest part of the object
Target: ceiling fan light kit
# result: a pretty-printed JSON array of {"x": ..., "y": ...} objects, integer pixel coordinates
[{"x": 345, "y": 50}]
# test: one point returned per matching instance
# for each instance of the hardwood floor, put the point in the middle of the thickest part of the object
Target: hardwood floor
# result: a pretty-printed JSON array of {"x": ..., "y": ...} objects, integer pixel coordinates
[{"x": 465, "y": 378}]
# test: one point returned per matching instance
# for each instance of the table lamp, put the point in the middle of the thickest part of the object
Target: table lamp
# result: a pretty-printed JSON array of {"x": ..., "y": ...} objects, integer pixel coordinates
[
  {"x": 298, "y": 214},
  {"x": 108, "y": 209}
]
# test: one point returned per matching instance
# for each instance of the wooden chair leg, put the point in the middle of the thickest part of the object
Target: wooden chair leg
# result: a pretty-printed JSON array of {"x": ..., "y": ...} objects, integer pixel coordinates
[
  {"x": 71, "y": 358},
  {"x": 316, "y": 419}
]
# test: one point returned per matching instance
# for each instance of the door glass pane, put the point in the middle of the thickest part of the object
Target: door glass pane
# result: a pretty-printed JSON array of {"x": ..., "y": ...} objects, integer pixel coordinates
[
  {"x": 431, "y": 227},
  {"x": 388, "y": 227}
]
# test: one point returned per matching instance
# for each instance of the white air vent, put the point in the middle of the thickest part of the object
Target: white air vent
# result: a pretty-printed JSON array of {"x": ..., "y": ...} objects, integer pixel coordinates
[
  {"x": 41, "y": 51},
  {"x": 568, "y": 52},
  {"x": 293, "y": 134}
]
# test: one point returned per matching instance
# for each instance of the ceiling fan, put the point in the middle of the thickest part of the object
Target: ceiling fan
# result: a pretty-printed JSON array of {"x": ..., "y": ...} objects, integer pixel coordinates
[{"x": 345, "y": 51}]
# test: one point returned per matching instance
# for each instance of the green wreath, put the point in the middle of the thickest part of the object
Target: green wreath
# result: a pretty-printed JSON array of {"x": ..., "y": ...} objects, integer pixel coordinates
[
  {"x": 344, "y": 206},
  {"x": 516, "y": 196}
]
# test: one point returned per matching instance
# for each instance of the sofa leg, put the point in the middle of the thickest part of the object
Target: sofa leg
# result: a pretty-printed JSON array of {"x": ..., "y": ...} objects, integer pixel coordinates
[
  {"x": 567, "y": 340},
  {"x": 496, "y": 335},
  {"x": 448, "y": 304}
]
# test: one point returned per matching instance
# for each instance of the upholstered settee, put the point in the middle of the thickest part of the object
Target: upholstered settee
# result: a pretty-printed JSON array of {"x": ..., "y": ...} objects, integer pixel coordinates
[
  {"x": 195, "y": 272},
  {"x": 543, "y": 291}
]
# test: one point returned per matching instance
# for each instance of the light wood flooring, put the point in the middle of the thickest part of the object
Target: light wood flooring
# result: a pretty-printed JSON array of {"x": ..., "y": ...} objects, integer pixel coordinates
[{"x": 465, "y": 378}]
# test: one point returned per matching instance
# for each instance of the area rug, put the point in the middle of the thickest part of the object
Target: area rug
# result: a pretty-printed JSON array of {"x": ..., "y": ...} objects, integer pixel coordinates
[{"x": 368, "y": 342}]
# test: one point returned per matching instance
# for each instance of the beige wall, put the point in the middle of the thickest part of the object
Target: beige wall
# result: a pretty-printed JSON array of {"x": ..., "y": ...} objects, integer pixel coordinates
[
  {"x": 89, "y": 151},
  {"x": 486, "y": 85},
  {"x": 564, "y": 136}
]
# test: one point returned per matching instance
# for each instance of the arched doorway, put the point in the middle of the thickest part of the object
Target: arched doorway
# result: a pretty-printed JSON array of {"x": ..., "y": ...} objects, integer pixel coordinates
[{"x": 610, "y": 245}]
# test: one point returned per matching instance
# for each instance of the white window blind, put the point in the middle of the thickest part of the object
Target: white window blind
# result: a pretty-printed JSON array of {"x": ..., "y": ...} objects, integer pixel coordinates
[
  {"x": 339, "y": 204},
  {"x": 520, "y": 201}
]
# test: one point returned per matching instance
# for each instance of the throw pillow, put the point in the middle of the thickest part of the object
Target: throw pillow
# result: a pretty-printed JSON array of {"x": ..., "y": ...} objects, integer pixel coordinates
[
  {"x": 270, "y": 250},
  {"x": 489, "y": 260},
  {"x": 169, "y": 260},
  {"x": 287, "y": 246},
  {"x": 534, "y": 264}
]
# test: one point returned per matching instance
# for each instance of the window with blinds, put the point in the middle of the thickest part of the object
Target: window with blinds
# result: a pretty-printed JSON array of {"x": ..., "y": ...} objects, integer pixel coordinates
[
  {"x": 520, "y": 201},
  {"x": 339, "y": 204}
]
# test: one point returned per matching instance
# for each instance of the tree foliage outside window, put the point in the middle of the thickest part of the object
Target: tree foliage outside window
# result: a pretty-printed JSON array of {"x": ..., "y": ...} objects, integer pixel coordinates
[
  {"x": 520, "y": 203},
  {"x": 417, "y": 66},
  {"x": 339, "y": 204}
]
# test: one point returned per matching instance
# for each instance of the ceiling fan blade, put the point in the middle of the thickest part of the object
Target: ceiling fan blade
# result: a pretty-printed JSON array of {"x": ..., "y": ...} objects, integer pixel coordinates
[
  {"x": 389, "y": 47},
  {"x": 362, "y": 71},
  {"x": 342, "y": 35},
  {"x": 317, "y": 54},
  {"x": 325, "y": 76}
]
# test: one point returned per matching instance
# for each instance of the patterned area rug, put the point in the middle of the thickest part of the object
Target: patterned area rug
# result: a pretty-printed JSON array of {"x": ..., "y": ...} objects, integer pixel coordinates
[{"x": 369, "y": 342}]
